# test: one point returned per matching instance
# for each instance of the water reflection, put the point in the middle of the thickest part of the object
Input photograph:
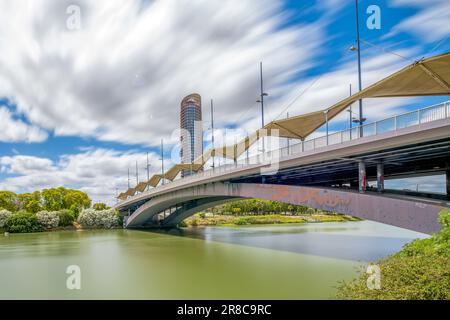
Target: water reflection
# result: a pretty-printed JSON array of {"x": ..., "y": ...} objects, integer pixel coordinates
[{"x": 334, "y": 240}]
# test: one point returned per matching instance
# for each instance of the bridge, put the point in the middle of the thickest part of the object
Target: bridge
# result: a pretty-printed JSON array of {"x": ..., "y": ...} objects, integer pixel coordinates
[{"x": 342, "y": 172}]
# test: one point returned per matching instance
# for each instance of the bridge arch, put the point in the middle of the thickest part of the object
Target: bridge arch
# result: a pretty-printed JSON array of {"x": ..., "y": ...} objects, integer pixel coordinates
[{"x": 405, "y": 213}]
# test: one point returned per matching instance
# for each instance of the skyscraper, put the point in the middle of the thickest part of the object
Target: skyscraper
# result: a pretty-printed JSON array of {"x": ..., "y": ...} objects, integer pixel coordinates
[{"x": 191, "y": 129}]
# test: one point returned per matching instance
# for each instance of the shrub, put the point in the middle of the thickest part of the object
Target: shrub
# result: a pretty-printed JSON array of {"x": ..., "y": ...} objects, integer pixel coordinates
[
  {"x": 23, "y": 222},
  {"x": 241, "y": 222},
  {"x": 182, "y": 224},
  {"x": 419, "y": 271},
  {"x": 66, "y": 218},
  {"x": 99, "y": 219},
  {"x": 202, "y": 215},
  {"x": 75, "y": 210},
  {"x": 47, "y": 219},
  {"x": 4, "y": 216}
]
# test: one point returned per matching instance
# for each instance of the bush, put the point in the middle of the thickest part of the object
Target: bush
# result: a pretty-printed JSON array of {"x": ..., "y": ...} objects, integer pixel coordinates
[
  {"x": 419, "y": 271},
  {"x": 4, "y": 216},
  {"x": 47, "y": 219},
  {"x": 23, "y": 222},
  {"x": 99, "y": 219},
  {"x": 202, "y": 215},
  {"x": 241, "y": 222},
  {"x": 66, "y": 218},
  {"x": 182, "y": 224}
]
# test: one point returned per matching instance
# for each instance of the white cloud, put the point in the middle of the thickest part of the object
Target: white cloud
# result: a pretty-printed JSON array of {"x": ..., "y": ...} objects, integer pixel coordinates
[
  {"x": 430, "y": 23},
  {"x": 12, "y": 130},
  {"x": 95, "y": 171},
  {"x": 333, "y": 86},
  {"x": 122, "y": 76}
]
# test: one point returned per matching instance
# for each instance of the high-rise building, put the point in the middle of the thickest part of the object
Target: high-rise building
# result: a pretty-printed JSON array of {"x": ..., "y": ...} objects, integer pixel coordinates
[{"x": 191, "y": 129}]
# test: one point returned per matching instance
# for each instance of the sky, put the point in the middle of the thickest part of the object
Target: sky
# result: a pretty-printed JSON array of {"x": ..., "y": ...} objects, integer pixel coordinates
[{"x": 87, "y": 88}]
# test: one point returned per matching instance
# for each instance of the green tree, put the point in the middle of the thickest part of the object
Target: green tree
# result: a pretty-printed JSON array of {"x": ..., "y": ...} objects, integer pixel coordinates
[
  {"x": 33, "y": 206},
  {"x": 8, "y": 201},
  {"x": 100, "y": 206}
]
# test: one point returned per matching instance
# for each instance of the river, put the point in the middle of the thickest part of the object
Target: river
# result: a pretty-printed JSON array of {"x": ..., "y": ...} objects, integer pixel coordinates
[{"x": 259, "y": 262}]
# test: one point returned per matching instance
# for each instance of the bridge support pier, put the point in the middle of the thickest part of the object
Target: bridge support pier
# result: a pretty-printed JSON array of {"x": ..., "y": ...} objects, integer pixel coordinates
[
  {"x": 447, "y": 178},
  {"x": 380, "y": 177},
  {"x": 362, "y": 177}
]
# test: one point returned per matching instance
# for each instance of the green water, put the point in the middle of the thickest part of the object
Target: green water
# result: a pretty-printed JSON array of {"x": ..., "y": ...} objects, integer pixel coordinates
[{"x": 264, "y": 262}]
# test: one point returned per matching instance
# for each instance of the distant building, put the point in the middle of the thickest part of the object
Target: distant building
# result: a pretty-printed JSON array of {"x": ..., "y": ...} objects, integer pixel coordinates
[{"x": 191, "y": 129}]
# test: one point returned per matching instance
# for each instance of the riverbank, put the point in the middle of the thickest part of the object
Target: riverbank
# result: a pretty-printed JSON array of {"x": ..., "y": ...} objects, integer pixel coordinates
[
  {"x": 419, "y": 271},
  {"x": 208, "y": 219}
]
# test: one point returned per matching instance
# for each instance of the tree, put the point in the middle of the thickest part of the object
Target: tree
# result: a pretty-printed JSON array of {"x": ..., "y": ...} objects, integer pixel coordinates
[
  {"x": 33, "y": 206},
  {"x": 100, "y": 206},
  {"x": 61, "y": 198},
  {"x": 30, "y": 202},
  {"x": 8, "y": 201},
  {"x": 76, "y": 198},
  {"x": 53, "y": 199}
]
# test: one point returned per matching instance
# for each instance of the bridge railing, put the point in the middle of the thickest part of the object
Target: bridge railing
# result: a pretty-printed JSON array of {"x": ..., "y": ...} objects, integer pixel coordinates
[{"x": 432, "y": 113}]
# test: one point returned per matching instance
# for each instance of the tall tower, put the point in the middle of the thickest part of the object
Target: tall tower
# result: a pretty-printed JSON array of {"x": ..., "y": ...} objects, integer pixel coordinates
[{"x": 191, "y": 129}]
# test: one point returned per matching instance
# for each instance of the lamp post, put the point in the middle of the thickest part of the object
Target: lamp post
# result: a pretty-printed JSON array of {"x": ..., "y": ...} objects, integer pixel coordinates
[
  {"x": 162, "y": 162},
  {"x": 137, "y": 173},
  {"x": 147, "y": 167},
  {"x": 288, "y": 140},
  {"x": 261, "y": 100},
  {"x": 128, "y": 177},
  {"x": 212, "y": 131},
  {"x": 358, "y": 49}
]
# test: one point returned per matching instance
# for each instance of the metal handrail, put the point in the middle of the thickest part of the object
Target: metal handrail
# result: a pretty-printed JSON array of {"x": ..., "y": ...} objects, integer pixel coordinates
[{"x": 405, "y": 120}]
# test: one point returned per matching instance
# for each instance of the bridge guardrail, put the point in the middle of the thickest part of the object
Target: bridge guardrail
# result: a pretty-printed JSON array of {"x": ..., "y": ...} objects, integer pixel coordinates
[{"x": 432, "y": 113}]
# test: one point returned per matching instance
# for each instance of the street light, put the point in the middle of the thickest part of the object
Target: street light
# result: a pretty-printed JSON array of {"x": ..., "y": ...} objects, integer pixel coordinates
[
  {"x": 147, "y": 167},
  {"x": 261, "y": 100},
  {"x": 357, "y": 48}
]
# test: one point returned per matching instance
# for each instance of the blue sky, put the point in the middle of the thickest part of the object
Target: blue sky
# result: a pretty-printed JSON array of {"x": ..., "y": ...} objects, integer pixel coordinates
[{"x": 79, "y": 106}]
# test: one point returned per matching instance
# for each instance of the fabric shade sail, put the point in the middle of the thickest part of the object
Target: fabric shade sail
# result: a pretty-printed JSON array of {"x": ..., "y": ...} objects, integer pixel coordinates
[
  {"x": 141, "y": 187},
  {"x": 428, "y": 77},
  {"x": 173, "y": 172}
]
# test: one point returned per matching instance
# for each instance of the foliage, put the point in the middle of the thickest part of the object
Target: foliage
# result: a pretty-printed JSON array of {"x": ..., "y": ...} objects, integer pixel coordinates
[
  {"x": 100, "y": 206},
  {"x": 256, "y": 206},
  {"x": 8, "y": 200},
  {"x": 94, "y": 218},
  {"x": 61, "y": 198},
  {"x": 31, "y": 202},
  {"x": 66, "y": 218},
  {"x": 419, "y": 271},
  {"x": 4, "y": 216},
  {"x": 23, "y": 222},
  {"x": 48, "y": 220},
  {"x": 230, "y": 220},
  {"x": 49, "y": 200}
]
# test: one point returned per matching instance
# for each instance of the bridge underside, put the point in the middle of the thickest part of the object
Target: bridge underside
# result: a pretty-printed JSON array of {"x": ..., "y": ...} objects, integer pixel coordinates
[{"x": 169, "y": 209}]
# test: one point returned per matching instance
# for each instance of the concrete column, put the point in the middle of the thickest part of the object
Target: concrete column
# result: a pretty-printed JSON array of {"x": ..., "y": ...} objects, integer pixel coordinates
[
  {"x": 362, "y": 177},
  {"x": 380, "y": 177},
  {"x": 448, "y": 184}
]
